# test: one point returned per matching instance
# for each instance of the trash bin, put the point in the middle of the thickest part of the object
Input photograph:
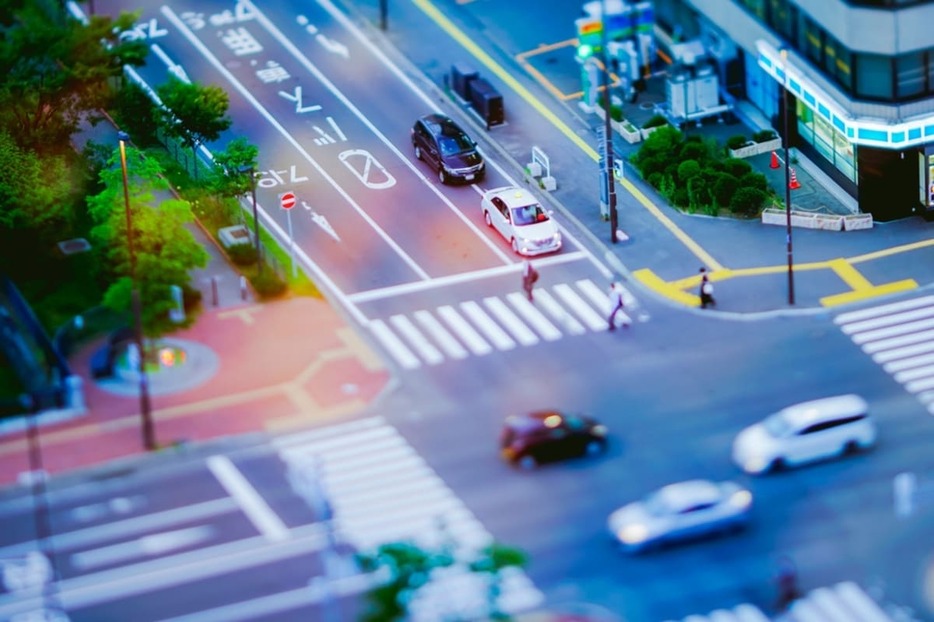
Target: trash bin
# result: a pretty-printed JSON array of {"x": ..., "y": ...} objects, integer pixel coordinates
[
  {"x": 487, "y": 101},
  {"x": 461, "y": 77}
]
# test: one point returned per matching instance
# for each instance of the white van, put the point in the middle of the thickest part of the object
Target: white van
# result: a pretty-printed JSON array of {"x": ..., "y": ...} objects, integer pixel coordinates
[{"x": 824, "y": 428}]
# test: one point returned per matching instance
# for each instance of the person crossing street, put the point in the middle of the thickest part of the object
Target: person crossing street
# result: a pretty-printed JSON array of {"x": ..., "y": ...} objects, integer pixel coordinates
[
  {"x": 616, "y": 305},
  {"x": 706, "y": 290},
  {"x": 529, "y": 278}
]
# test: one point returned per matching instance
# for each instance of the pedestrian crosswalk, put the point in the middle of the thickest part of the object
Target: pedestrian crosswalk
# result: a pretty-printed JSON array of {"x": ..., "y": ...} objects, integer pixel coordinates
[
  {"x": 900, "y": 337},
  {"x": 843, "y": 602},
  {"x": 380, "y": 490},
  {"x": 477, "y": 328}
]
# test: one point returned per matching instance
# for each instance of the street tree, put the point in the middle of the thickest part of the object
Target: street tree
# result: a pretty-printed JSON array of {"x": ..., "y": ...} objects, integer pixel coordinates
[
  {"x": 193, "y": 113},
  {"x": 409, "y": 568},
  {"x": 165, "y": 250},
  {"x": 233, "y": 167},
  {"x": 36, "y": 193},
  {"x": 57, "y": 71}
]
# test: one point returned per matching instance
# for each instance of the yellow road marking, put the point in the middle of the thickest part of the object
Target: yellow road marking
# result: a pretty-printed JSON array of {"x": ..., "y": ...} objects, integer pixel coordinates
[
  {"x": 455, "y": 33},
  {"x": 894, "y": 250},
  {"x": 668, "y": 290},
  {"x": 849, "y": 274},
  {"x": 872, "y": 292}
]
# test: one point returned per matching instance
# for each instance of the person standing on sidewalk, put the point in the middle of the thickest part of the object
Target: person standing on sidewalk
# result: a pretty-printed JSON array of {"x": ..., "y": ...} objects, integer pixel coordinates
[
  {"x": 529, "y": 278},
  {"x": 616, "y": 304},
  {"x": 706, "y": 290}
]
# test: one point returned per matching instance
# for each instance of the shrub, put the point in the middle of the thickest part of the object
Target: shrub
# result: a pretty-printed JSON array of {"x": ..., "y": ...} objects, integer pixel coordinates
[
  {"x": 268, "y": 284},
  {"x": 616, "y": 112},
  {"x": 699, "y": 193},
  {"x": 694, "y": 150},
  {"x": 724, "y": 188},
  {"x": 736, "y": 167},
  {"x": 680, "y": 197},
  {"x": 687, "y": 170},
  {"x": 655, "y": 180},
  {"x": 650, "y": 165},
  {"x": 747, "y": 201},
  {"x": 656, "y": 121},
  {"x": 764, "y": 136},
  {"x": 242, "y": 254},
  {"x": 735, "y": 142},
  {"x": 754, "y": 180}
]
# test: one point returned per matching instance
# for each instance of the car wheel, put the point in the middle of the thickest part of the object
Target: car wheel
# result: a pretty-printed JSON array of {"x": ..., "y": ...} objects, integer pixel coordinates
[
  {"x": 850, "y": 447},
  {"x": 418, "y": 152},
  {"x": 442, "y": 175},
  {"x": 778, "y": 464},
  {"x": 594, "y": 448},
  {"x": 527, "y": 462},
  {"x": 515, "y": 245},
  {"x": 487, "y": 218}
]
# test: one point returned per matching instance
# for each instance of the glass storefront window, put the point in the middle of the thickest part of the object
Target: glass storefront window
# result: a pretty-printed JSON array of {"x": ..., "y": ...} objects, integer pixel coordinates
[
  {"x": 828, "y": 141},
  {"x": 931, "y": 180}
]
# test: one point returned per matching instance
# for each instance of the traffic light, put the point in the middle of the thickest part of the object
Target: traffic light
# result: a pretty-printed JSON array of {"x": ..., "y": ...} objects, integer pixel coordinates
[{"x": 589, "y": 36}]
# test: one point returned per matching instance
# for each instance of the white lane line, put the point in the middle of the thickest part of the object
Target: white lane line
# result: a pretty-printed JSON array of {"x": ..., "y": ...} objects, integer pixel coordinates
[
  {"x": 533, "y": 316},
  {"x": 254, "y": 506},
  {"x": 915, "y": 373},
  {"x": 395, "y": 346},
  {"x": 897, "y": 342},
  {"x": 595, "y": 321},
  {"x": 490, "y": 328},
  {"x": 862, "y": 314},
  {"x": 906, "y": 351},
  {"x": 464, "y": 330},
  {"x": 424, "y": 347},
  {"x": 248, "y": 95},
  {"x": 892, "y": 331},
  {"x": 286, "y": 43},
  {"x": 887, "y": 320},
  {"x": 150, "y": 545},
  {"x": 448, "y": 343},
  {"x": 337, "y": 430},
  {"x": 462, "y": 277},
  {"x": 908, "y": 363},
  {"x": 511, "y": 321},
  {"x": 558, "y": 313}
]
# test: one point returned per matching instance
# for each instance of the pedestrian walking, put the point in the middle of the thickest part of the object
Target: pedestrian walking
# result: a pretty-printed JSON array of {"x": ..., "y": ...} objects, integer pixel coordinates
[
  {"x": 529, "y": 278},
  {"x": 616, "y": 304},
  {"x": 786, "y": 583},
  {"x": 706, "y": 290}
]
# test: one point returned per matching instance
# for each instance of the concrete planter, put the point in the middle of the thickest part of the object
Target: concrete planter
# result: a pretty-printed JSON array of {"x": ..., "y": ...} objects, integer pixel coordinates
[
  {"x": 805, "y": 220},
  {"x": 753, "y": 149},
  {"x": 647, "y": 131},
  {"x": 854, "y": 222},
  {"x": 627, "y": 130}
]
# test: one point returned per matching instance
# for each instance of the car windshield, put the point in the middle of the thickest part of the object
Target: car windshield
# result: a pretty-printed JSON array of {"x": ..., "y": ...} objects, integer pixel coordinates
[
  {"x": 454, "y": 142},
  {"x": 656, "y": 504},
  {"x": 528, "y": 215},
  {"x": 777, "y": 425}
]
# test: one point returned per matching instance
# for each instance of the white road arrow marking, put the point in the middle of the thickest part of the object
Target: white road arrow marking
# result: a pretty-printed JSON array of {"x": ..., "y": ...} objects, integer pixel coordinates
[
  {"x": 321, "y": 221},
  {"x": 332, "y": 46},
  {"x": 151, "y": 545},
  {"x": 296, "y": 97},
  {"x": 369, "y": 169},
  {"x": 174, "y": 68}
]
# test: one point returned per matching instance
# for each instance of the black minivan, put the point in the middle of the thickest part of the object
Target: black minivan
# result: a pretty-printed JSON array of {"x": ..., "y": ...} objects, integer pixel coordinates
[{"x": 446, "y": 148}]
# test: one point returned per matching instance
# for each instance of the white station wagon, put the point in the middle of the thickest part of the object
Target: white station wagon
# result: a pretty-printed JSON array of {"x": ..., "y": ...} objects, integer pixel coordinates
[
  {"x": 824, "y": 428},
  {"x": 521, "y": 220}
]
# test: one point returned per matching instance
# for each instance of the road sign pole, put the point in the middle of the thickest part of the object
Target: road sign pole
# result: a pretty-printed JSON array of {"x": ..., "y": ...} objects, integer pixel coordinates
[{"x": 291, "y": 243}]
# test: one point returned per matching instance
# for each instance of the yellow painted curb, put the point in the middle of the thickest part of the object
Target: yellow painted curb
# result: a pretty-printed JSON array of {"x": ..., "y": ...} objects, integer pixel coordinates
[
  {"x": 871, "y": 292},
  {"x": 668, "y": 290}
]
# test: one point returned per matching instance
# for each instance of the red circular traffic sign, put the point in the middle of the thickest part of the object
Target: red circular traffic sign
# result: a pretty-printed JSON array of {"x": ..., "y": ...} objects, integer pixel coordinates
[{"x": 287, "y": 200}]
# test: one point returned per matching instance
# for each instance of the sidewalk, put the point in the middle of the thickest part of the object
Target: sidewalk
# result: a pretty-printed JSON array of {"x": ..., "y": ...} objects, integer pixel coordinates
[{"x": 241, "y": 367}]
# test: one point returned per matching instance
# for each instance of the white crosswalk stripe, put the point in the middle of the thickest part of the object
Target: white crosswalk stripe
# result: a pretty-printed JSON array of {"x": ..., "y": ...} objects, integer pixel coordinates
[
  {"x": 843, "y": 602},
  {"x": 499, "y": 323},
  {"x": 900, "y": 337},
  {"x": 382, "y": 491}
]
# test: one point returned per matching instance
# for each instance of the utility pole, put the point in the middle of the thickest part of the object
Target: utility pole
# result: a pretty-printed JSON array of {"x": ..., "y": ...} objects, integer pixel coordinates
[
  {"x": 608, "y": 130},
  {"x": 786, "y": 138}
]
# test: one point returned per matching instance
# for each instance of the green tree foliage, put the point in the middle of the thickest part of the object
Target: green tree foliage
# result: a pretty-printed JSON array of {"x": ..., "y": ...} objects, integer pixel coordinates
[
  {"x": 193, "y": 113},
  {"x": 687, "y": 170},
  {"x": 165, "y": 250},
  {"x": 754, "y": 180},
  {"x": 232, "y": 167},
  {"x": 723, "y": 189},
  {"x": 747, "y": 201},
  {"x": 409, "y": 568},
  {"x": 736, "y": 167},
  {"x": 56, "y": 72},
  {"x": 35, "y": 192}
]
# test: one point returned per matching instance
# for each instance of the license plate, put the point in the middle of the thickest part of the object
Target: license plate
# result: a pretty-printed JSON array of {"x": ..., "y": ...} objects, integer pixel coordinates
[{"x": 468, "y": 177}]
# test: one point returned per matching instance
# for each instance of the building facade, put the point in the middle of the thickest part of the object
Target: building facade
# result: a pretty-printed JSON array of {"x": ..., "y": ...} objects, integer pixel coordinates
[{"x": 857, "y": 76}]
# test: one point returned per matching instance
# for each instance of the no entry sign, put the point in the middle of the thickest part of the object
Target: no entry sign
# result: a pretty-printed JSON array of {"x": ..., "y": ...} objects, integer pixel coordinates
[{"x": 287, "y": 200}]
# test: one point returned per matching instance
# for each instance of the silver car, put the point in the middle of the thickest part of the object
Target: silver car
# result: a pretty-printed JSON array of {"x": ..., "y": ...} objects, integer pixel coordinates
[{"x": 681, "y": 511}]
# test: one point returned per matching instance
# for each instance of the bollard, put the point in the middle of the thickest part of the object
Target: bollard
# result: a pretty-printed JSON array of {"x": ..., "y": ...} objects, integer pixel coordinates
[
  {"x": 903, "y": 485},
  {"x": 243, "y": 289},
  {"x": 214, "y": 289}
]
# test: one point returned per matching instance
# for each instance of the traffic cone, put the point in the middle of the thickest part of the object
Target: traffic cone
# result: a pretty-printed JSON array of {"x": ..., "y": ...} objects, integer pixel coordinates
[
  {"x": 793, "y": 184},
  {"x": 774, "y": 163}
]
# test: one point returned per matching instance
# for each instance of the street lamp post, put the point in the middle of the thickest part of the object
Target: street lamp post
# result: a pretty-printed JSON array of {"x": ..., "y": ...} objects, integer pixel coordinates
[
  {"x": 149, "y": 436},
  {"x": 252, "y": 172},
  {"x": 787, "y": 143},
  {"x": 608, "y": 130}
]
